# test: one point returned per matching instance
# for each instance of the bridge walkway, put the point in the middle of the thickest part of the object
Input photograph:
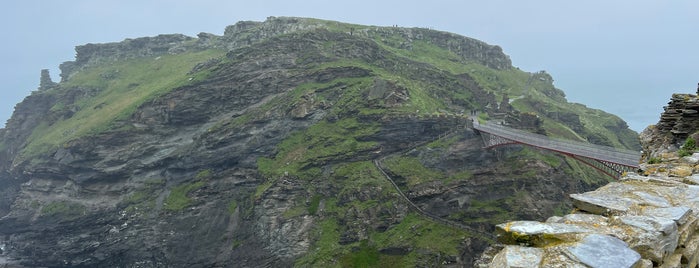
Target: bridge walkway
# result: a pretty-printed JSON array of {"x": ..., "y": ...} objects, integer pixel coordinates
[{"x": 608, "y": 154}]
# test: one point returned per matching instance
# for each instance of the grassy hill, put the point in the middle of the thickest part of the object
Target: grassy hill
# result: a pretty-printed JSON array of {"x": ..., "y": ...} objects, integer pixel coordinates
[{"x": 257, "y": 147}]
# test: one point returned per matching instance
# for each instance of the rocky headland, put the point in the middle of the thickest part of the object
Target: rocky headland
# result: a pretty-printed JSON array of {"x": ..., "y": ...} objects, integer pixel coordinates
[{"x": 271, "y": 145}]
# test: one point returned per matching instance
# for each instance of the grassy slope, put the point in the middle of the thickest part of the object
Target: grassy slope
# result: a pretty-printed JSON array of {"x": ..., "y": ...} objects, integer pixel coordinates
[
  {"x": 133, "y": 82},
  {"x": 121, "y": 87},
  {"x": 512, "y": 81},
  {"x": 340, "y": 138}
]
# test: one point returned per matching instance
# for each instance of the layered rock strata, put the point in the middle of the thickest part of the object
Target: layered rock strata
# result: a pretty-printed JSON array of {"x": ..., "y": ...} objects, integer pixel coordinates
[{"x": 679, "y": 121}]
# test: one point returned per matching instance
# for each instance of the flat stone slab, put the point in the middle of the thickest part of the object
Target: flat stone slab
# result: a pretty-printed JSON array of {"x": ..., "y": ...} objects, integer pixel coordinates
[
  {"x": 601, "y": 204},
  {"x": 517, "y": 256},
  {"x": 678, "y": 214},
  {"x": 597, "y": 250},
  {"x": 651, "y": 199},
  {"x": 654, "y": 238},
  {"x": 591, "y": 219},
  {"x": 538, "y": 233}
]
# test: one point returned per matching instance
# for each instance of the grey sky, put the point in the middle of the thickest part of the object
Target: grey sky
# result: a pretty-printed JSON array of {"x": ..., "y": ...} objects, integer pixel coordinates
[{"x": 626, "y": 56}]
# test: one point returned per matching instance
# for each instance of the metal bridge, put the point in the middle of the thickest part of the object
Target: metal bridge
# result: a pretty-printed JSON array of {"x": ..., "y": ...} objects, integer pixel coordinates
[{"x": 609, "y": 160}]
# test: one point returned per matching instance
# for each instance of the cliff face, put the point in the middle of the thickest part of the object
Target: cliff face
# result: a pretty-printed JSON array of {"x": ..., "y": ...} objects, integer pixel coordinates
[
  {"x": 678, "y": 122},
  {"x": 255, "y": 149}
]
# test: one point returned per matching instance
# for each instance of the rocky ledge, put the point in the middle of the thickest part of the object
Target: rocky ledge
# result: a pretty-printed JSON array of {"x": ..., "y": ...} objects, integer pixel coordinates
[
  {"x": 649, "y": 219},
  {"x": 640, "y": 221},
  {"x": 679, "y": 121},
  {"x": 643, "y": 220}
]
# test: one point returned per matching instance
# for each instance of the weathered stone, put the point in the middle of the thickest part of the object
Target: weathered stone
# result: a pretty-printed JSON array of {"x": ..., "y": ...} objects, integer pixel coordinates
[
  {"x": 538, "y": 233},
  {"x": 681, "y": 171},
  {"x": 597, "y": 250},
  {"x": 678, "y": 214},
  {"x": 601, "y": 204},
  {"x": 517, "y": 256},
  {"x": 591, "y": 219},
  {"x": 674, "y": 260},
  {"x": 651, "y": 199},
  {"x": 691, "y": 251},
  {"x": 694, "y": 180},
  {"x": 692, "y": 159},
  {"x": 645, "y": 263},
  {"x": 45, "y": 81},
  {"x": 687, "y": 230},
  {"x": 555, "y": 219},
  {"x": 654, "y": 238}
]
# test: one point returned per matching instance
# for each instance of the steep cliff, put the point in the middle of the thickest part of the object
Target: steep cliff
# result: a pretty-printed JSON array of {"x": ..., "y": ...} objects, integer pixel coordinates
[{"x": 256, "y": 148}]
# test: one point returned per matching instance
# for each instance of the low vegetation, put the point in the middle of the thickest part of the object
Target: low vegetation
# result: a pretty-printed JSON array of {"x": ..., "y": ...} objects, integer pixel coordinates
[
  {"x": 119, "y": 89},
  {"x": 64, "y": 210},
  {"x": 178, "y": 198},
  {"x": 688, "y": 148}
]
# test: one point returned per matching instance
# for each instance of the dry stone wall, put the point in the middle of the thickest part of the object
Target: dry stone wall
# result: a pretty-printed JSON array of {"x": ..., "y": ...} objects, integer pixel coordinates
[
  {"x": 649, "y": 219},
  {"x": 640, "y": 221}
]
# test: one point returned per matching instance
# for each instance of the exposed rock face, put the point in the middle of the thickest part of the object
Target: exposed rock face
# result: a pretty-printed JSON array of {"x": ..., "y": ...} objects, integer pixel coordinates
[
  {"x": 45, "y": 82},
  {"x": 246, "y": 33},
  {"x": 261, "y": 156},
  {"x": 679, "y": 121}
]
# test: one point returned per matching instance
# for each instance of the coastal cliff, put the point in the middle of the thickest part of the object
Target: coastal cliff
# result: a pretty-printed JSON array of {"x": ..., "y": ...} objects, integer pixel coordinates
[{"x": 269, "y": 146}]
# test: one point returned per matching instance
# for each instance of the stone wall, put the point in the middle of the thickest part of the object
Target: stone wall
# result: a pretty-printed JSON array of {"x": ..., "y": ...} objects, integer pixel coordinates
[
  {"x": 643, "y": 220},
  {"x": 640, "y": 221}
]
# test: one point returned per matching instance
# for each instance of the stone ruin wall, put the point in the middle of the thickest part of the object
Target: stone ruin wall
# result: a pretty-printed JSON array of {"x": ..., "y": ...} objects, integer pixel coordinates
[{"x": 650, "y": 219}]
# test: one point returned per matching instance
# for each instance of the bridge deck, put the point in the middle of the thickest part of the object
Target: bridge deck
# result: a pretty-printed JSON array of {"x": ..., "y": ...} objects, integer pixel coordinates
[{"x": 598, "y": 152}]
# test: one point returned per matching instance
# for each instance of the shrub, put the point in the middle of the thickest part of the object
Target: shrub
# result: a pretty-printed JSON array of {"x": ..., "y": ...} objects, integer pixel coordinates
[
  {"x": 690, "y": 145},
  {"x": 654, "y": 160}
]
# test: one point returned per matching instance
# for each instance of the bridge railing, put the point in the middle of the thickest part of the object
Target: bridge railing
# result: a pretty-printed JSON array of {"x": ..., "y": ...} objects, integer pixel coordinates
[{"x": 594, "y": 151}]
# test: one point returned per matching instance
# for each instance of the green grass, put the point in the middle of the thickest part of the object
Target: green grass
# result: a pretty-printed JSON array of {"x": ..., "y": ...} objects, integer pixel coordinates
[
  {"x": 294, "y": 212},
  {"x": 178, "y": 198},
  {"x": 64, "y": 210},
  {"x": 313, "y": 206},
  {"x": 367, "y": 255},
  {"x": 304, "y": 151},
  {"x": 412, "y": 170},
  {"x": 232, "y": 206},
  {"x": 325, "y": 250},
  {"x": 688, "y": 148},
  {"x": 122, "y": 87},
  {"x": 416, "y": 173},
  {"x": 550, "y": 158},
  {"x": 143, "y": 198},
  {"x": 421, "y": 233},
  {"x": 354, "y": 176}
]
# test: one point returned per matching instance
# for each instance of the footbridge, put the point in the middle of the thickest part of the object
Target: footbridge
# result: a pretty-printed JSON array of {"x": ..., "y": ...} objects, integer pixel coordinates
[{"x": 609, "y": 160}]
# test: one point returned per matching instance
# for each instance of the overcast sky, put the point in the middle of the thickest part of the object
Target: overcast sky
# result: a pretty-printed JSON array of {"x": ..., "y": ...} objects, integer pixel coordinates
[{"x": 626, "y": 56}]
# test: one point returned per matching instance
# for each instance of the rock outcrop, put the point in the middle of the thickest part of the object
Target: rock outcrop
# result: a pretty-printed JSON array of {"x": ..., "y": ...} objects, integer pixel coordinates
[
  {"x": 649, "y": 219},
  {"x": 45, "y": 81},
  {"x": 679, "y": 121}
]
